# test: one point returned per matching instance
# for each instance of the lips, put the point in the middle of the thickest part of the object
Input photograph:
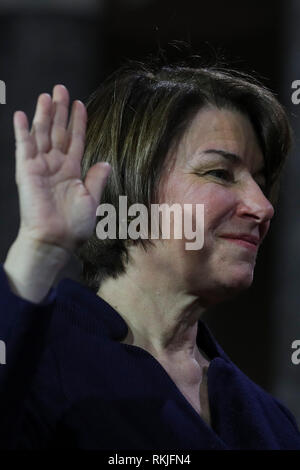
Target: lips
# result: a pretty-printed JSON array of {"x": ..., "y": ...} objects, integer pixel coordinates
[{"x": 243, "y": 236}]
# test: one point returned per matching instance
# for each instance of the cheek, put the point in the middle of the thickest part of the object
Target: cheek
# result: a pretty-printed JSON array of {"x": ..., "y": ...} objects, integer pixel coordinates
[{"x": 219, "y": 203}]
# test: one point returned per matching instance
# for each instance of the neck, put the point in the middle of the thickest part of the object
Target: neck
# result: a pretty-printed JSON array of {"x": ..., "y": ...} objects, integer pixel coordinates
[{"x": 160, "y": 318}]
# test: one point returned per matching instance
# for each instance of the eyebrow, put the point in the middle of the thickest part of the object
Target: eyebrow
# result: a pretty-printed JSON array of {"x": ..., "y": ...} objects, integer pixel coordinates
[{"x": 232, "y": 157}]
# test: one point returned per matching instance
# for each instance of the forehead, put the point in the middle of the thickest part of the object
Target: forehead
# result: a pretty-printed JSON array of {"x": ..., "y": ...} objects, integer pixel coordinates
[{"x": 221, "y": 129}]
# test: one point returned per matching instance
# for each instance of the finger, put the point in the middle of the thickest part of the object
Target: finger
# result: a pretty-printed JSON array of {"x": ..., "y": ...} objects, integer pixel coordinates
[
  {"x": 25, "y": 146},
  {"x": 76, "y": 130},
  {"x": 60, "y": 116},
  {"x": 41, "y": 123},
  {"x": 96, "y": 179}
]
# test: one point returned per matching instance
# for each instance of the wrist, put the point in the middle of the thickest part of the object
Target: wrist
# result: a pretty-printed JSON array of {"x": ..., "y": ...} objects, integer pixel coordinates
[
  {"x": 32, "y": 266},
  {"x": 25, "y": 243}
]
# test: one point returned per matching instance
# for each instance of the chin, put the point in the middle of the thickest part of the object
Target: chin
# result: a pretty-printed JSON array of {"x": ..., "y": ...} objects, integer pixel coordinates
[
  {"x": 226, "y": 288},
  {"x": 238, "y": 280}
]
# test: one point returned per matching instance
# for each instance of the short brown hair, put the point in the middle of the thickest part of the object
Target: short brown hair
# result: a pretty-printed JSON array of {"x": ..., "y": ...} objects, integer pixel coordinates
[{"x": 141, "y": 112}]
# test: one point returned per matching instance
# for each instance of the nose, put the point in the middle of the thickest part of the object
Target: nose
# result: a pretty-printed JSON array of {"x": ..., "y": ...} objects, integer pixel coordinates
[{"x": 254, "y": 204}]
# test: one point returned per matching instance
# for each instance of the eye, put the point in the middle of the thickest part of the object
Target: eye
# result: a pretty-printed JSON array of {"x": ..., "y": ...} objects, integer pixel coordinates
[{"x": 221, "y": 174}]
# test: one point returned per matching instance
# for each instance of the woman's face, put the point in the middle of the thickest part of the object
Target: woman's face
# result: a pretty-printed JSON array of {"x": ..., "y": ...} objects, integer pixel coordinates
[{"x": 234, "y": 205}]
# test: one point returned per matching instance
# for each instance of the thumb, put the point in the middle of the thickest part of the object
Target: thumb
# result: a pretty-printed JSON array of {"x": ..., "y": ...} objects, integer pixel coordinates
[{"x": 96, "y": 178}]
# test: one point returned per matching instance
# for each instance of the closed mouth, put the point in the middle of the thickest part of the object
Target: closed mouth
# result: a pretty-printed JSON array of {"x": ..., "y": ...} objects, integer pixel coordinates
[{"x": 251, "y": 240}]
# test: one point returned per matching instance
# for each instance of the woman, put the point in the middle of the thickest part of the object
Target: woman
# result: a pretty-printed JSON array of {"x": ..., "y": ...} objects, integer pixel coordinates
[{"x": 124, "y": 361}]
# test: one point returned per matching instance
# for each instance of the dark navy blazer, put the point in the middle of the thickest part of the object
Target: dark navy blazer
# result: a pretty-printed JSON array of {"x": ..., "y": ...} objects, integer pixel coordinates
[{"x": 68, "y": 382}]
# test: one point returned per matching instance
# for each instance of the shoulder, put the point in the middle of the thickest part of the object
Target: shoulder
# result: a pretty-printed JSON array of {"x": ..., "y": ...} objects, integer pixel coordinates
[{"x": 272, "y": 408}]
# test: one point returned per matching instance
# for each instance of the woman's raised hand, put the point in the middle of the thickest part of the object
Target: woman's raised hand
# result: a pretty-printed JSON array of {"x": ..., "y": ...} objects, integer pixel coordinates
[{"x": 56, "y": 206}]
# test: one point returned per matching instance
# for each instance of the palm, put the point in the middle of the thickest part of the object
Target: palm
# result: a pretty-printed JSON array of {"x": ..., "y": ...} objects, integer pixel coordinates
[{"x": 56, "y": 206}]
